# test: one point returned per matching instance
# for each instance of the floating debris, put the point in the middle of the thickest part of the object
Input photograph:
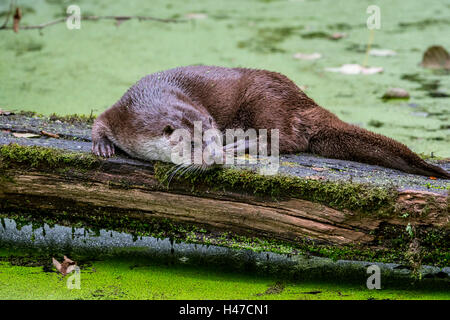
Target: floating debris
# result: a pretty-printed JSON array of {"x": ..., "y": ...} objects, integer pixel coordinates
[
  {"x": 67, "y": 266},
  {"x": 419, "y": 114},
  {"x": 312, "y": 292},
  {"x": 382, "y": 52},
  {"x": 355, "y": 69},
  {"x": 438, "y": 94},
  {"x": 396, "y": 93},
  {"x": 338, "y": 35},
  {"x": 196, "y": 16},
  {"x": 323, "y": 35},
  {"x": 436, "y": 57},
  {"x": 5, "y": 113},
  {"x": 307, "y": 56},
  {"x": 375, "y": 123},
  {"x": 25, "y": 135}
]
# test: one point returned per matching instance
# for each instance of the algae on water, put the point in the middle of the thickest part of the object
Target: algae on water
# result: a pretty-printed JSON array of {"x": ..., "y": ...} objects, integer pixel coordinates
[{"x": 61, "y": 71}]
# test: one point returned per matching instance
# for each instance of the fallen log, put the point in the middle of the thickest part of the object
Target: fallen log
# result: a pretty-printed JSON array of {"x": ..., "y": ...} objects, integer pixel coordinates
[{"x": 321, "y": 206}]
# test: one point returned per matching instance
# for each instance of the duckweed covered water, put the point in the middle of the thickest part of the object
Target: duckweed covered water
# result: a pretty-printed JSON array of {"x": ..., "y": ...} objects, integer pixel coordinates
[
  {"x": 117, "y": 278},
  {"x": 79, "y": 71},
  {"x": 118, "y": 266}
]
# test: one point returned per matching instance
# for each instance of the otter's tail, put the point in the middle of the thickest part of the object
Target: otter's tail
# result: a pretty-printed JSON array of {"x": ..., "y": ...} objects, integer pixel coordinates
[{"x": 349, "y": 142}]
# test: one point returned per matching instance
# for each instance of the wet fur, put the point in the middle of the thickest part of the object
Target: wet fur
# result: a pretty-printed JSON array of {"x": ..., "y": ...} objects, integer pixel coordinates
[{"x": 226, "y": 98}]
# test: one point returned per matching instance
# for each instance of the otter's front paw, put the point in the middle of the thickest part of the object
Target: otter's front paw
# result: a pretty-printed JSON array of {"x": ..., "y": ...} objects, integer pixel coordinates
[{"x": 103, "y": 148}]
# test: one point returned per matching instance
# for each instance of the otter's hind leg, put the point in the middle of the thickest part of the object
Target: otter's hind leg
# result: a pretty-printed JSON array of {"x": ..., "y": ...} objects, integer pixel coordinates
[{"x": 101, "y": 145}]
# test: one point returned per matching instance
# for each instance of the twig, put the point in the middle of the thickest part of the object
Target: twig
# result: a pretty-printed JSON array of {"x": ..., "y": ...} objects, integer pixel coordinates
[
  {"x": 92, "y": 18},
  {"x": 50, "y": 134},
  {"x": 131, "y": 17},
  {"x": 11, "y": 7}
]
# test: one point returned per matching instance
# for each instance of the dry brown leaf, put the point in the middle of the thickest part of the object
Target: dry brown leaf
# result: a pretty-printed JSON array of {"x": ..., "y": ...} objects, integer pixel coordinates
[
  {"x": 396, "y": 93},
  {"x": 17, "y": 17},
  {"x": 5, "y": 113},
  {"x": 49, "y": 134},
  {"x": 436, "y": 57},
  {"x": 67, "y": 266}
]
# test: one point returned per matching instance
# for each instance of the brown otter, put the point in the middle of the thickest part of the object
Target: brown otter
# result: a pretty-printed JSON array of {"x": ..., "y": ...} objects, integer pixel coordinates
[{"x": 141, "y": 122}]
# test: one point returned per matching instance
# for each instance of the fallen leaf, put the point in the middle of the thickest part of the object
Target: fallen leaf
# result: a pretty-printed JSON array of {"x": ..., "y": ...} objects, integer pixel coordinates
[
  {"x": 436, "y": 57},
  {"x": 16, "y": 21},
  {"x": 382, "y": 52},
  {"x": 67, "y": 266},
  {"x": 355, "y": 69},
  {"x": 303, "y": 88},
  {"x": 196, "y": 16},
  {"x": 433, "y": 178},
  {"x": 338, "y": 35},
  {"x": 5, "y": 113},
  {"x": 49, "y": 134},
  {"x": 25, "y": 135},
  {"x": 419, "y": 114},
  {"x": 396, "y": 93},
  {"x": 306, "y": 56},
  {"x": 56, "y": 264}
]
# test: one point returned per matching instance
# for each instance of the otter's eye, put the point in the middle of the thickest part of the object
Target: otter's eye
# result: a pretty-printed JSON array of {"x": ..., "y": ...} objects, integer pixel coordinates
[{"x": 168, "y": 130}]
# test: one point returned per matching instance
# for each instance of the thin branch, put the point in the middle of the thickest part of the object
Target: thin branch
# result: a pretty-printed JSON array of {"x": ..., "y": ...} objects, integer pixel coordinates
[
  {"x": 92, "y": 18},
  {"x": 12, "y": 4},
  {"x": 131, "y": 17}
]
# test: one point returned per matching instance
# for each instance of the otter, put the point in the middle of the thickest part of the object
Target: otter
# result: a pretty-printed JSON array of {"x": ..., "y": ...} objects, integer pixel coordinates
[{"x": 144, "y": 118}]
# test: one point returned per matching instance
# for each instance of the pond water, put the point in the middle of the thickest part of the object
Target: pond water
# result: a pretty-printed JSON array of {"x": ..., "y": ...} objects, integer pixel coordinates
[{"x": 83, "y": 71}]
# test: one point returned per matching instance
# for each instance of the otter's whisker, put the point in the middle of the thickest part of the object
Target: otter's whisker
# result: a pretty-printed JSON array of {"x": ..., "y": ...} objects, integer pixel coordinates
[
  {"x": 185, "y": 170},
  {"x": 174, "y": 172}
]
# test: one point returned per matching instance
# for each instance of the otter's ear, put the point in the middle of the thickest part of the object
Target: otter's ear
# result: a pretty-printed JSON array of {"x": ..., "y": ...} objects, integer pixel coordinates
[{"x": 168, "y": 130}]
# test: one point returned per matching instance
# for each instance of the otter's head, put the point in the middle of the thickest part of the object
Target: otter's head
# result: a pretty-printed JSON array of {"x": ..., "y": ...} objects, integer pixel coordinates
[{"x": 179, "y": 133}]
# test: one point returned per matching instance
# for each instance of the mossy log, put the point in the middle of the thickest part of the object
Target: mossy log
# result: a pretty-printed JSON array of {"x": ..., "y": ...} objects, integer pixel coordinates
[{"x": 329, "y": 207}]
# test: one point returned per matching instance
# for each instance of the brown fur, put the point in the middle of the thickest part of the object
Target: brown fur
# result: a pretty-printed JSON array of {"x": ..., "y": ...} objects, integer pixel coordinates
[{"x": 226, "y": 98}]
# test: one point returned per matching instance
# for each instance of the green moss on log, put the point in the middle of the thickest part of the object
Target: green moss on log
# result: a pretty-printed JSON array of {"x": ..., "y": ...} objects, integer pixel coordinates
[
  {"x": 339, "y": 195},
  {"x": 70, "y": 118},
  {"x": 41, "y": 157}
]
